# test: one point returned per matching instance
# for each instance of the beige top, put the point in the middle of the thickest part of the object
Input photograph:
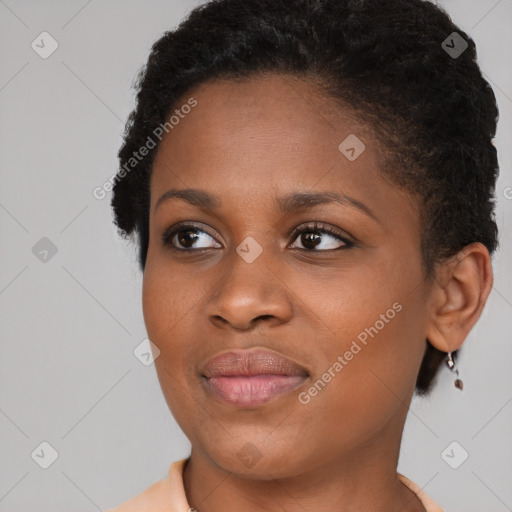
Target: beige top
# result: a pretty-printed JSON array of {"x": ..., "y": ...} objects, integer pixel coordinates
[{"x": 168, "y": 495}]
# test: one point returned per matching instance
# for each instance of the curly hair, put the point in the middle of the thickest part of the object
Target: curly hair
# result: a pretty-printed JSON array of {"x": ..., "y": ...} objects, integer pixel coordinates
[{"x": 386, "y": 60}]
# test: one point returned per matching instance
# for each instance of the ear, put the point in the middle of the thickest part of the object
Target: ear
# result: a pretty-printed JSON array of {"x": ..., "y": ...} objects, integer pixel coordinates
[{"x": 460, "y": 290}]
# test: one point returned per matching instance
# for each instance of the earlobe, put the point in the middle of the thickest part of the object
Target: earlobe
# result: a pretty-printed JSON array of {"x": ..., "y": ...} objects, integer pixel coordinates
[{"x": 460, "y": 292}]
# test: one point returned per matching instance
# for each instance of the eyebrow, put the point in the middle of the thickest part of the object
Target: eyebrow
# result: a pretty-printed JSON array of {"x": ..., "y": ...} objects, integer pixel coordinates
[{"x": 286, "y": 204}]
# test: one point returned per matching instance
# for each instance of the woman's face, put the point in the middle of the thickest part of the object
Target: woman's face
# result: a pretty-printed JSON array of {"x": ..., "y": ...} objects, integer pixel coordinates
[{"x": 351, "y": 315}]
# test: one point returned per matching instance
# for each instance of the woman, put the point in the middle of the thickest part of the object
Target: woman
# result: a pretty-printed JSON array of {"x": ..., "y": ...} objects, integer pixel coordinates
[{"x": 311, "y": 184}]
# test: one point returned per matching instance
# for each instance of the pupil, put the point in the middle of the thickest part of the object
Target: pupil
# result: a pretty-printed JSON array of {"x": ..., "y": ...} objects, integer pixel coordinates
[
  {"x": 309, "y": 237},
  {"x": 185, "y": 239}
]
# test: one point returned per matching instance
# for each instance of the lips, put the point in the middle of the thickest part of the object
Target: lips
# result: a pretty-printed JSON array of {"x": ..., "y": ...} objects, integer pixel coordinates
[
  {"x": 249, "y": 363},
  {"x": 248, "y": 378}
]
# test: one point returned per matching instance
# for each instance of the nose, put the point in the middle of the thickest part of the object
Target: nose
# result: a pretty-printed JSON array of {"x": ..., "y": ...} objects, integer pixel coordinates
[{"x": 248, "y": 294}]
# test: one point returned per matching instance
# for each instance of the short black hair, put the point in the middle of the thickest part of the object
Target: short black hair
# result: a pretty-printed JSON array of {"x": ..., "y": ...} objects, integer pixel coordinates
[{"x": 396, "y": 63}]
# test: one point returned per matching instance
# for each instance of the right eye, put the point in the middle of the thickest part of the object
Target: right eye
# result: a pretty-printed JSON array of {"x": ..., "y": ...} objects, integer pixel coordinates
[{"x": 186, "y": 235}]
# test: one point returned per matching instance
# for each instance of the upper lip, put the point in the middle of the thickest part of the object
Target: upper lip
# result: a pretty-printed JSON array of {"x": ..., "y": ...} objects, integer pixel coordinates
[{"x": 251, "y": 362}]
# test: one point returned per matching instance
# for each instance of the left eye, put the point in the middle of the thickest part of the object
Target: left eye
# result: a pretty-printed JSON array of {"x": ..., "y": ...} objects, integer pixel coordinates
[{"x": 312, "y": 237}]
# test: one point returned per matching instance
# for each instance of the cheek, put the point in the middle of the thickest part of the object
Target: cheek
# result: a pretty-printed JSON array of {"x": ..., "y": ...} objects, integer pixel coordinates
[
  {"x": 351, "y": 302},
  {"x": 377, "y": 371},
  {"x": 172, "y": 303},
  {"x": 165, "y": 308},
  {"x": 376, "y": 324},
  {"x": 166, "y": 300},
  {"x": 157, "y": 305}
]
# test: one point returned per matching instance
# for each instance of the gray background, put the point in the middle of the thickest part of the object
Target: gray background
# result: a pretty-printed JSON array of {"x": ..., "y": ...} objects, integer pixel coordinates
[{"x": 69, "y": 325}]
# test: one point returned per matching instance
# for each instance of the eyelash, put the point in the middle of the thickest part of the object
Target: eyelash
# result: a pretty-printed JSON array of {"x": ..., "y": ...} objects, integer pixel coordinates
[{"x": 315, "y": 227}]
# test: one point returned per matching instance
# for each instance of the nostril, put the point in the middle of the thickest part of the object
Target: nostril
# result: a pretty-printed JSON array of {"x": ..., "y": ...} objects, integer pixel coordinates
[{"x": 263, "y": 317}]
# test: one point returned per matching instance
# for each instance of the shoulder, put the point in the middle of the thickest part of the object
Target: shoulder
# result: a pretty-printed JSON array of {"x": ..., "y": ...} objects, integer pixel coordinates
[
  {"x": 429, "y": 504},
  {"x": 166, "y": 495},
  {"x": 157, "y": 495}
]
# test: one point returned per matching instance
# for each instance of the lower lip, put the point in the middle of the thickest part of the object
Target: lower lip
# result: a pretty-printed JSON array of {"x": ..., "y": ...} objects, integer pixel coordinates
[{"x": 243, "y": 391}]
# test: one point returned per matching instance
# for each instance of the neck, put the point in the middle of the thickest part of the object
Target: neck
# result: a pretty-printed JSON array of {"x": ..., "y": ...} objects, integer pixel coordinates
[{"x": 358, "y": 480}]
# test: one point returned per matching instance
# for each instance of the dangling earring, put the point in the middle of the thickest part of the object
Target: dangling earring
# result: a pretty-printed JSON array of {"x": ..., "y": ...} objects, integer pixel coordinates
[{"x": 451, "y": 364}]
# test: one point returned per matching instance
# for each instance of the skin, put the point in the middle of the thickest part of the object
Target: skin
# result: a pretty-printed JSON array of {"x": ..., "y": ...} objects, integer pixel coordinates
[{"x": 248, "y": 143}]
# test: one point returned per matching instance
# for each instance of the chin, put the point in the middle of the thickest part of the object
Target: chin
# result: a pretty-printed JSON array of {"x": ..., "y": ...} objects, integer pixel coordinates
[{"x": 248, "y": 458}]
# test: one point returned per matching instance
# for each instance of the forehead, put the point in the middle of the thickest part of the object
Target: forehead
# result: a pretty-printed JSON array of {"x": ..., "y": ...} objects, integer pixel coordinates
[{"x": 253, "y": 140}]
